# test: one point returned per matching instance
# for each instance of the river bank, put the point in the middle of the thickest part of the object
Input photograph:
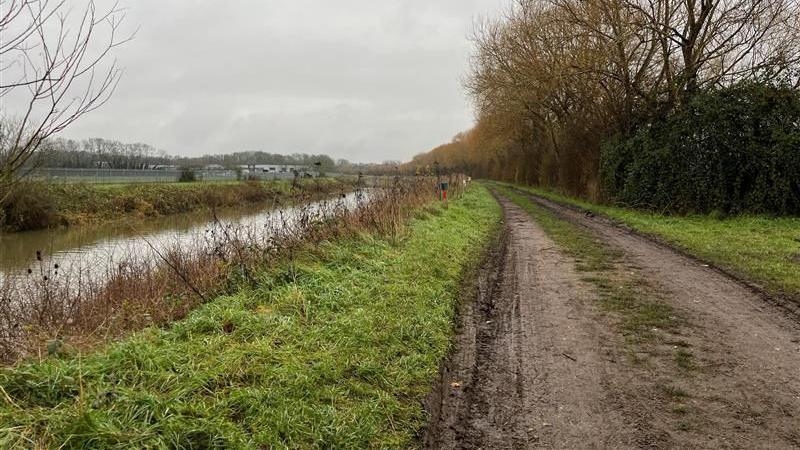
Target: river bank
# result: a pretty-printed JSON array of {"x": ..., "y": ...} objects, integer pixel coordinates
[
  {"x": 337, "y": 346},
  {"x": 40, "y": 205},
  {"x": 89, "y": 295}
]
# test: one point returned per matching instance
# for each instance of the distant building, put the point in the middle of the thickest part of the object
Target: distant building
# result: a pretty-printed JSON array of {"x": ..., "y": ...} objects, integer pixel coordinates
[
  {"x": 165, "y": 167},
  {"x": 261, "y": 170},
  {"x": 213, "y": 167}
]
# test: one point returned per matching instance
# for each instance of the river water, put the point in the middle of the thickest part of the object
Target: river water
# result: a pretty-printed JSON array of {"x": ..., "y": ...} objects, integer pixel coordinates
[{"x": 91, "y": 250}]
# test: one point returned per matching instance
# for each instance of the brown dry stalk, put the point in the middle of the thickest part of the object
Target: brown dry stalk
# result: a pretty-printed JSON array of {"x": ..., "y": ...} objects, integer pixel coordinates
[{"x": 78, "y": 311}]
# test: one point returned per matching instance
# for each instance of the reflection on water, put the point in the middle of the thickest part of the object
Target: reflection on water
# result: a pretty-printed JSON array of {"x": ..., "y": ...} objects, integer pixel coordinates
[
  {"x": 18, "y": 250},
  {"x": 92, "y": 249}
]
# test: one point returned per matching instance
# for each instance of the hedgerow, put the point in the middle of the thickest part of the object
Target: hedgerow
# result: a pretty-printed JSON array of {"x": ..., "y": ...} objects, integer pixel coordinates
[{"x": 732, "y": 150}]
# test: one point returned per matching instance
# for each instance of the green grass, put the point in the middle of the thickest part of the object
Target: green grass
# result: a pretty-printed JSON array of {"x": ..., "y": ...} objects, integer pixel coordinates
[
  {"x": 763, "y": 249},
  {"x": 36, "y": 205},
  {"x": 629, "y": 297},
  {"x": 335, "y": 350}
]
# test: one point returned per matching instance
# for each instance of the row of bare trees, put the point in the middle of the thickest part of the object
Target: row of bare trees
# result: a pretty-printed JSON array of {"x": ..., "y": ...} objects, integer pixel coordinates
[
  {"x": 551, "y": 79},
  {"x": 56, "y": 65},
  {"x": 101, "y": 153},
  {"x": 108, "y": 153}
]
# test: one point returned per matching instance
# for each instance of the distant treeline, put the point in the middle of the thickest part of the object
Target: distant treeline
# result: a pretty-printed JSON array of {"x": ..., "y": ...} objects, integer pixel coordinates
[
  {"x": 668, "y": 105},
  {"x": 105, "y": 153},
  {"x": 98, "y": 152}
]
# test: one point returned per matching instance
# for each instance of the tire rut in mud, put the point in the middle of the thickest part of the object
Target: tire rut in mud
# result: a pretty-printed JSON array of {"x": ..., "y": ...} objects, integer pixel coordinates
[{"x": 535, "y": 364}]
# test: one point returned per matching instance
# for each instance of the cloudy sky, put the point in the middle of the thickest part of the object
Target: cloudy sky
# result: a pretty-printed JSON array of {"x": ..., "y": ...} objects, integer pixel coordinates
[{"x": 364, "y": 80}]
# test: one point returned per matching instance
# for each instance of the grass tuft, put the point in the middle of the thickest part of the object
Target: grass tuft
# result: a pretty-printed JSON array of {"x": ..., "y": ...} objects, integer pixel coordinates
[
  {"x": 684, "y": 359},
  {"x": 674, "y": 392}
]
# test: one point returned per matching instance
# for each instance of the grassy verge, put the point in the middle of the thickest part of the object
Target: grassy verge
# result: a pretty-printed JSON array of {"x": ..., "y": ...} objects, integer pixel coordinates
[
  {"x": 619, "y": 290},
  {"x": 36, "y": 205},
  {"x": 336, "y": 349},
  {"x": 763, "y": 249}
]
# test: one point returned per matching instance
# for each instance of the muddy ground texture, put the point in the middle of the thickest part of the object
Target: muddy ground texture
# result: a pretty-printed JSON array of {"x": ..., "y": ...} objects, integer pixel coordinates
[{"x": 539, "y": 363}]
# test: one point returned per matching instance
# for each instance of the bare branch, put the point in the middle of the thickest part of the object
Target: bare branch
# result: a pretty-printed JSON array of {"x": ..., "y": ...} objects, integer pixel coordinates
[{"x": 63, "y": 61}]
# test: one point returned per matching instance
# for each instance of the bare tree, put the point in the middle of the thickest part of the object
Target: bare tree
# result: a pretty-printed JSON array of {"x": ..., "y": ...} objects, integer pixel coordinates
[
  {"x": 57, "y": 62},
  {"x": 553, "y": 79},
  {"x": 721, "y": 41}
]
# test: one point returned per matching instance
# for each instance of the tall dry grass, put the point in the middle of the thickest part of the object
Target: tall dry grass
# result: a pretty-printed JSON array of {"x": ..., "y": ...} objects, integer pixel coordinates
[{"x": 51, "y": 311}]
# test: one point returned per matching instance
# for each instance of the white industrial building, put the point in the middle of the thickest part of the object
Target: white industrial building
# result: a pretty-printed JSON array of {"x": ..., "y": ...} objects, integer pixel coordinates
[{"x": 282, "y": 170}]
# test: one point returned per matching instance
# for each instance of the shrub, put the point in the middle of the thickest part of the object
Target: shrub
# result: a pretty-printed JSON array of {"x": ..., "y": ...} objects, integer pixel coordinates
[
  {"x": 734, "y": 149},
  {"x": 28, "y": 206},
  {"x": 187, "y": 175}
]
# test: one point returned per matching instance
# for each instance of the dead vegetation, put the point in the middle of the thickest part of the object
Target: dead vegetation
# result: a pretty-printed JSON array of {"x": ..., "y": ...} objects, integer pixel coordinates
[{"x": 50, "y": 310}]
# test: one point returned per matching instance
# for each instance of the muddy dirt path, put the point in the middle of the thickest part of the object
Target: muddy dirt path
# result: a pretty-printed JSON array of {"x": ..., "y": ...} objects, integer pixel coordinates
[
  {"x": 536, "y": 364},
  {"x": 746, "y": 386}
]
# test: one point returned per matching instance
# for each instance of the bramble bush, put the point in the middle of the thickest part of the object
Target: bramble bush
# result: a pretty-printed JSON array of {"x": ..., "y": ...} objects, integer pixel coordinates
[{"x": 731, "y": 150}]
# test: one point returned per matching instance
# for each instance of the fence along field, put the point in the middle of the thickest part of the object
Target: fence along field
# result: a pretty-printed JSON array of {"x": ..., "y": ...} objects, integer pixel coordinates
[{"x": 147, "y": 176}]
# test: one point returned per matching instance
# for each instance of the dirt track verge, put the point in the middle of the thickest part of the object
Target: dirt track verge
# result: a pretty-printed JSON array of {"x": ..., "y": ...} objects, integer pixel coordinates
[
  {"x": 538, "y": 363},
  {"x": 744, "y": 387},
  {"x": 535, "y": 363},
  {"x": 786, "y": 301}
]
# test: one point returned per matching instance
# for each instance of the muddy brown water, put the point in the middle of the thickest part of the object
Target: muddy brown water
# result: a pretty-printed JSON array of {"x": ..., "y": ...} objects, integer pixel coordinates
[
  {"x": 537, "y": 364},
  {"x": 90, "y": 250}
]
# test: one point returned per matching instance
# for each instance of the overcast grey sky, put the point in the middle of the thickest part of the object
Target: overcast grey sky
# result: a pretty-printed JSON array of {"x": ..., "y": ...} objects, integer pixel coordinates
[{"x": 364, "y": 80}]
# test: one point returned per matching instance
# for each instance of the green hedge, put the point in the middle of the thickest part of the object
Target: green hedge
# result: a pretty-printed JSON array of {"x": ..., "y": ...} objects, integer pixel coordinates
[{"x": 732, "y": 150}]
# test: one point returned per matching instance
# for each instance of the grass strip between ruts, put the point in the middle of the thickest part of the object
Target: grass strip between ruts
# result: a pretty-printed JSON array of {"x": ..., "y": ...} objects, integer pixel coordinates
[{"x": 763, "y": 249}]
